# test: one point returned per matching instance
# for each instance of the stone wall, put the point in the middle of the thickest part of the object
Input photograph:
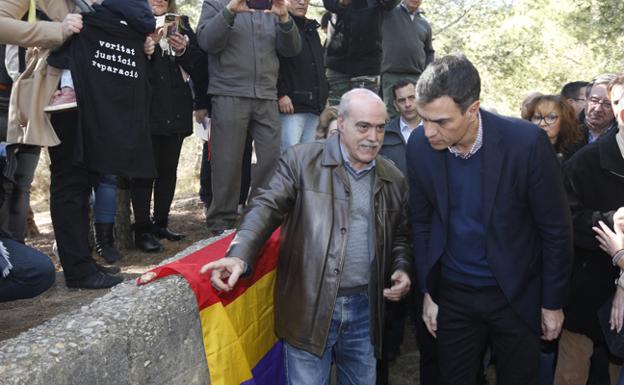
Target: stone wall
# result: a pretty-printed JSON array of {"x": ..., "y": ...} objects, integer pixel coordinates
[{"x": 133, "y": 335}]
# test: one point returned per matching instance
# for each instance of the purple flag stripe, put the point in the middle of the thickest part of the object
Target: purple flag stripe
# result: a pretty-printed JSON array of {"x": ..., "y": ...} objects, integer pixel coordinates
[{"x": 270, "y": 369}]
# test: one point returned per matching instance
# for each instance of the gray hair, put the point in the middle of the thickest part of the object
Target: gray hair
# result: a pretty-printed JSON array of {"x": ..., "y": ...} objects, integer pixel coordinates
[
  {"x": 453, "y": 76},
  {"x": 600, "y": 79},
  {"x": 345, "y": 100}
]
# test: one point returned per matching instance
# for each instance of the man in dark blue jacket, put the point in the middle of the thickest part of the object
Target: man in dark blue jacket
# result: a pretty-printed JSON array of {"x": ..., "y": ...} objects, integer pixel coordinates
[{"x": 491, "y": 229}]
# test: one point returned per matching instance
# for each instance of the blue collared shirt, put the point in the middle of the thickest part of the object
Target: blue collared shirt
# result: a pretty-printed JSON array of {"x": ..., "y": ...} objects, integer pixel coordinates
[{"x": 591, "y": 138}]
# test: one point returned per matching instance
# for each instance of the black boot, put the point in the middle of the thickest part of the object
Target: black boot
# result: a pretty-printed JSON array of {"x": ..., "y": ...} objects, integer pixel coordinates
[
  {"x": 161, "y": 231},
  {"x": 105, "y": 244},
  {"x": 144, "y": 239},
  {"x": 97, "y": 280}
]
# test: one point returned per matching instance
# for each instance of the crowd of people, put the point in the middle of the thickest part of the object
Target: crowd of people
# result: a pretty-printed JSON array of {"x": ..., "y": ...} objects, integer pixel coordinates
[{"x": 402, "y": 201}]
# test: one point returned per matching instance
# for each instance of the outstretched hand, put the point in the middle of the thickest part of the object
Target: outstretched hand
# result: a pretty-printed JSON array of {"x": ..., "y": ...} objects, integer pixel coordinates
[
  {"x": 280, "y": 9},
  {"x": 238, "y": 6},
  {"x": 229, "y": 268}
]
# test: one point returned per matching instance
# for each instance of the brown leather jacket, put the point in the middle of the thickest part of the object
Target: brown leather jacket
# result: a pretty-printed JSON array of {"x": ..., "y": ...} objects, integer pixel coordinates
[{"x": 309, "y": 196}]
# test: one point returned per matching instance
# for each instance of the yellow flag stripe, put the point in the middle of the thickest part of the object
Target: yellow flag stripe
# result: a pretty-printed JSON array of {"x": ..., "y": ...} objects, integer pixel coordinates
[{"x": 237, "y": 336}]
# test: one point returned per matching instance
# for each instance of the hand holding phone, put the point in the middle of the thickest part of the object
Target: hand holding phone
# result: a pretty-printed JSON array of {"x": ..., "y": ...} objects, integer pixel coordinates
[
  {"x": 280, "y": 9},
  {"x": 172, "y": 24},
  {"x": 259, "y": 4},
  {"x": 238, "y": 6}
]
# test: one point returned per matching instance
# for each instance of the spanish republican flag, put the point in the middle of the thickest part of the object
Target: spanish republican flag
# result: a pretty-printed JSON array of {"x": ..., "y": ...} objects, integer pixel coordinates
[{"x": 238, "y": 327}]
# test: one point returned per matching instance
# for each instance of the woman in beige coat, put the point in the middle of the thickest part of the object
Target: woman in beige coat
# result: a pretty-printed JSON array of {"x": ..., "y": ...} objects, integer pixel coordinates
[{"x": 70, "y": 182}]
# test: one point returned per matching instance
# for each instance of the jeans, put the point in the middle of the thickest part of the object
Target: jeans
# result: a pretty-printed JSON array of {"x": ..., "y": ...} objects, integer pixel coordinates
[
  {"x": 348, "y": 340},
  {"x": 298, "y": 128},
  {"x": 105, "y": 202},
  {"x": 32, "y": 272}
]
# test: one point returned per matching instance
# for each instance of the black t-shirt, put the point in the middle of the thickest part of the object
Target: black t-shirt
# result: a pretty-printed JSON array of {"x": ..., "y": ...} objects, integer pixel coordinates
[{"x": 109, "y": 70}]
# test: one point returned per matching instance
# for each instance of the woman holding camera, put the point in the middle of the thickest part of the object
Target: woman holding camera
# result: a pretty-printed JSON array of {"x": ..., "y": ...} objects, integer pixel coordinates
[{"x": 174, "y": 56}]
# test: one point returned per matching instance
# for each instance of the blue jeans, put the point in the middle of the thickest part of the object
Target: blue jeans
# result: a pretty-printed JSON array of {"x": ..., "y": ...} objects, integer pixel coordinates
[
  {"x": 105, "y": 202},
  {"x": 621, "y": 379},
  {"x": 298, "y": 128},
  {"x": 348, "y": 340},
  {"x": 32, "y": 272}
]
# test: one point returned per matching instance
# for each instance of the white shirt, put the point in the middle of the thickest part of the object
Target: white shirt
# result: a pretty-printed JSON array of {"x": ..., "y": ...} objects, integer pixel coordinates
[
  {"x": 405, "y": 129},
  {"x": 412, "y": 14},
  {"x": 620, "y": 141}
]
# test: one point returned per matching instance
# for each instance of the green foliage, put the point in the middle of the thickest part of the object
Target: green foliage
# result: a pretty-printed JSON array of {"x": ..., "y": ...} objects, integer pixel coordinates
[
  {"x": 525, "y": 45},
  {"x": 519, "y": 45}
]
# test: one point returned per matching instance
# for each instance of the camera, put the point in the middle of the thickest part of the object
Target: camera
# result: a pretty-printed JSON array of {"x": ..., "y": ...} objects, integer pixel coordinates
[{"x": 259, "y": 4}]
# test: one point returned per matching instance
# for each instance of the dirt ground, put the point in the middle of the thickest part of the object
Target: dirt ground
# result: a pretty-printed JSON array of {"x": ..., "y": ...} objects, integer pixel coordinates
[
  {"x": 186, "y": 217},
  {"x": 15, "y": 317}
]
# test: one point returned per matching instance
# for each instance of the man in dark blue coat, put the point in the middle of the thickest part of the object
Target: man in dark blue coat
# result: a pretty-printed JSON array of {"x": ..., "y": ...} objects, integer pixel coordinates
[{"x": 491, "y": 229}]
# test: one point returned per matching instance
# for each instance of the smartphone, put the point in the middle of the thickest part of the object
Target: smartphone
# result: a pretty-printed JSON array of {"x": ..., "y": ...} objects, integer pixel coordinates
[
  {"x": 259, "y": 4},
  {"x": 172, "y": 24}
]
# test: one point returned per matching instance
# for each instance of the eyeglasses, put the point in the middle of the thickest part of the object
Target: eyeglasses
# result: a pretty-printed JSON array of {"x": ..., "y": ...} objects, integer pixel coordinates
[
  {"x": 548, "y": 119},
  {"x": 606, "y": 104},
  {"x": 578, "y": 99}
]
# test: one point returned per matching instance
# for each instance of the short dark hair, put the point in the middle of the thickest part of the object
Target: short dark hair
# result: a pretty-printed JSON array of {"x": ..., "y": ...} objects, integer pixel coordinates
[
  {"x": 453, "y": 76},
  {"x": 571, "y": 90},
  {"x": 400, "y": 84}
]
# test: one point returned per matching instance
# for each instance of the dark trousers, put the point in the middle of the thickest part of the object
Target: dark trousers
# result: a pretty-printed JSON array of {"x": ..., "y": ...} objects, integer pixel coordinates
[
  {"x": 70, "y": 189},
  {"x": 14, "y": 213},
  {"x": 429, "y": 368},
  {"x": 233, "y": 118},
  {"x": 205, "y": 175},
  {"x": 469, "y": 319},
  {"x": 32, "y": 272},
  {"x": 166, "y": 155}
]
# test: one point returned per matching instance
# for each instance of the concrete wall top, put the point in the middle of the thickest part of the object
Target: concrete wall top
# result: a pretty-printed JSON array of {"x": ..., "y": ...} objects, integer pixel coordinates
[{"x": 132, "y": 335}]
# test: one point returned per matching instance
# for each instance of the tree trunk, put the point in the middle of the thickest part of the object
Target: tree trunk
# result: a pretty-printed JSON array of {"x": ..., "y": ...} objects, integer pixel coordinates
[{"x": 124, "y": 238}]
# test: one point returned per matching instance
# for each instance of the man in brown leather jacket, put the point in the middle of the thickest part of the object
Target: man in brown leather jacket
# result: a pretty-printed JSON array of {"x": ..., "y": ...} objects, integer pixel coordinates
[{"x": 344, "y": 238}]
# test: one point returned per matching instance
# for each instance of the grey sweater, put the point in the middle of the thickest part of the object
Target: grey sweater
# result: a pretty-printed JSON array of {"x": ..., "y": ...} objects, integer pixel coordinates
[
  {"x": 242, "y": 57},
  {"x": 407, "y": 46},
  {"x": 360, "y": 242}
]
